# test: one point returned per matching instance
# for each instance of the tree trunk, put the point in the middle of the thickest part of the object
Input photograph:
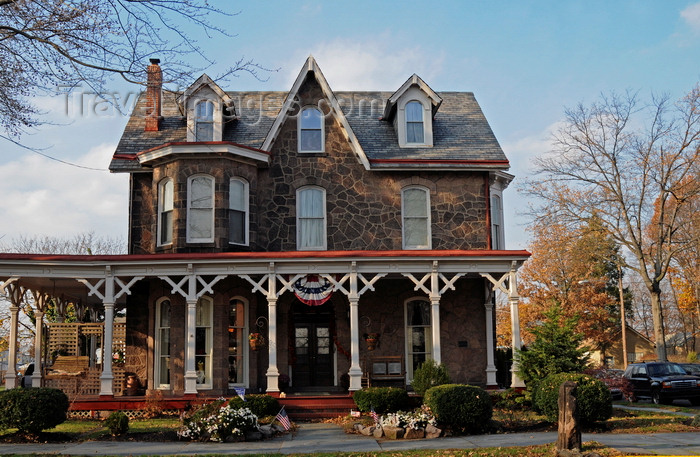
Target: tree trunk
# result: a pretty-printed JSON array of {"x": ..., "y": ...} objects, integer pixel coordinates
[
  {"x": 655, "y": 293},
  {"x": 569, "y": 436}
]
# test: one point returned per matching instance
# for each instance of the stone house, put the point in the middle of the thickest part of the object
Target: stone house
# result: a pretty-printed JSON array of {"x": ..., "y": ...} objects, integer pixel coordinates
[{"x": 272, "y": 233}]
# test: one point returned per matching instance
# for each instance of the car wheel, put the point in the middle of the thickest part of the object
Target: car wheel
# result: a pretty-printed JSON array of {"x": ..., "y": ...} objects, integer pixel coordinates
[{"x": 656, "y": 397}]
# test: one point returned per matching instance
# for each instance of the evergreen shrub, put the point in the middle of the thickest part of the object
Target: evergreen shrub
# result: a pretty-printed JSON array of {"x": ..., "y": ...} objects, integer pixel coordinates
[
  {"x": 593, "y": 400},
  {"x": 259, "y": 404},
  {"x": 462, "y": 407},
  {"x": 382, "y": 399},
  {"x": 32, "y": 410},
  {"x": 429, "y": 374},
  {"x": 117, "y": 423}
]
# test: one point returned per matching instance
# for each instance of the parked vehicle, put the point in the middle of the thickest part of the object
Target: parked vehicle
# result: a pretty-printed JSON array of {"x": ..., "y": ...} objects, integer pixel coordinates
[
  {"x": 691, "y": 368},
  {"x": 663, "y": 382}
]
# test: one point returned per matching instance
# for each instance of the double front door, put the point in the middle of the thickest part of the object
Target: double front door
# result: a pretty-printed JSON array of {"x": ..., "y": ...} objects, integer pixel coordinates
[{"x": 313, "y": 350}]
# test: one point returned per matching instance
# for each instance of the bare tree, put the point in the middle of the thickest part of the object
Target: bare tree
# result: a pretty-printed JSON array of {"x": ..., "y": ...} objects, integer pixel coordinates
[
  {"x": 85, "y": 243},
  {"x": 635, "y": 168},
  {"x": 48, "y": 44}
]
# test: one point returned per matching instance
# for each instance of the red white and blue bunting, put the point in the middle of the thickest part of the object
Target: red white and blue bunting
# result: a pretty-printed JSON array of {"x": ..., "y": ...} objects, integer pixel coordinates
[{"x": 313, "y": 290}]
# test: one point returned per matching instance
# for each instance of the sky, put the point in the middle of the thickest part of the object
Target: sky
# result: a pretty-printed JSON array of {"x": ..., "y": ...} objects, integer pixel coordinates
[{"x": 525, "y": 61}]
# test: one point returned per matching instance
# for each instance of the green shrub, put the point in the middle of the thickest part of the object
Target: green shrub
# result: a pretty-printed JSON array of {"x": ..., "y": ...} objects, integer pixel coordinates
[
  {"x": 593, "y": 400},
  {"x": 382, "y": 399},
  {"x": 429, "y": 374},
  {"x": 462, "y": 407},
  {"x": 511, "y": 400},
  {"x": 259, "y": 404},
  {"x": 117, "y": 423},
  {"x": 32, "y": 410}
]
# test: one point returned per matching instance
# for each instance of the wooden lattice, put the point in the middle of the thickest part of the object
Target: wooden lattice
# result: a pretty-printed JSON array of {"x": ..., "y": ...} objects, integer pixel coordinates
[{"x": 65, "y": 338}]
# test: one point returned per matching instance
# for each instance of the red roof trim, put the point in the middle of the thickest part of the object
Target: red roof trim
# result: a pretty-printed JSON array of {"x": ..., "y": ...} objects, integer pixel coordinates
[
  {"x": 125, "y": 156},
  {"x": 200, "y": 143},
  {"x": 266, "y": 255},
  {"x": 451, "y": 161}
]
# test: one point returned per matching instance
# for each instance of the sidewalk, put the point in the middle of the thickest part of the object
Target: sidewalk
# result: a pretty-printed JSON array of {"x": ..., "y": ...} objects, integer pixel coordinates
[{"x": 330, "y": 438}]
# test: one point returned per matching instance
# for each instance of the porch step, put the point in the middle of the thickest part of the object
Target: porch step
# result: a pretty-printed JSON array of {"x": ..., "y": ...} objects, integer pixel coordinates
[{"x": 307, "y": 407}]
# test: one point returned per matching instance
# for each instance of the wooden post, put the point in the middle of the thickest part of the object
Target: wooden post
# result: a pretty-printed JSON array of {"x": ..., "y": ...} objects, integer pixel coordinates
[{"x": 569, "y": 437}]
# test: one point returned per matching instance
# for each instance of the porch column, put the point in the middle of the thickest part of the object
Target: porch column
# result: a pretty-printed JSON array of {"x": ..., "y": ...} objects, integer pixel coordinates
[
  {"x": 272, "y": 370},
  {"x": 355, "y": 371},
  {"x": 490, "y": 358},
  {"x": 514, "y": 301},
  {"x": 11, "y": 372},
  {"x": 36, "y": 376},
  {"x": 107, "y": 378},
  {"x": 191, "y": 330},
  {"x": 435, "y": 312}
]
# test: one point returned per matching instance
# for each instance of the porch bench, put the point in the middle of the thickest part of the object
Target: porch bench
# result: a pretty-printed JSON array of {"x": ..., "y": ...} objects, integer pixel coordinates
[
  {"x": 69, "y": 365},
  {"x": 386, "y": 369}
]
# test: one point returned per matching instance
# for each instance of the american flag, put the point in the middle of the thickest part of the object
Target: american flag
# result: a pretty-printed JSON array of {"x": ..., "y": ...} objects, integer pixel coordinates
[
  {"x": 374, "y": 415},
  {"x": 284, "y": 419}
]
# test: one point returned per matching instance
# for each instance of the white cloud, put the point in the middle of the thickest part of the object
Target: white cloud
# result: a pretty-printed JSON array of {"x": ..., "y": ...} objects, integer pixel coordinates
[
  {"x": 691, "y": 15},
  {"x": 370, "y": 65},
  {"x": 44, "y": 197}
]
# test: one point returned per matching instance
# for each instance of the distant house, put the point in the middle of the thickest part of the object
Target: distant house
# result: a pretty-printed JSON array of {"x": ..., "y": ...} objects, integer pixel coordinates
[
  {"x": 272, "y": 233},
  {"x": 639, "y": 348}
]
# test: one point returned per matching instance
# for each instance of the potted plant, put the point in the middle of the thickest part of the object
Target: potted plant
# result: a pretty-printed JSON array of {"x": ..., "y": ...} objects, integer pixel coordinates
[
  {"x": 118, "y": 358},
  {"x": 372, "y": 339},
  {"x": 256, "y": 340}
]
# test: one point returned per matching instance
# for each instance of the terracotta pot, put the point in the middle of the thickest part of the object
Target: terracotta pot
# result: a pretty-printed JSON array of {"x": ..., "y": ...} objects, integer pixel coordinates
[
  {"x": 255, "y": 345},
  {"x": 371, "y": 343}
]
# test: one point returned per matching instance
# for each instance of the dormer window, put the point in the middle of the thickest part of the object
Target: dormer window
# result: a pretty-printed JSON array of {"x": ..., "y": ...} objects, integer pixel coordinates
[
  {"x": 310, "y": 130},
  {"x": 204, "y": 121},
  {"x": 414, "y": 123}
]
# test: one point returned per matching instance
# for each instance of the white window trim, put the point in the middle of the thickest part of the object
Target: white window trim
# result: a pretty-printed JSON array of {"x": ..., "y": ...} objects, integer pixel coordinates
[
  {"x": 246, "y": 347},
  {"x": 325, "y": 220},
  {"x": 428, "y": 221},
  {"x": 323, "y": 131},
  {"x": 209, "y": 345},
  {"x": 157, "y": 344},
  {"x": 197, "y": 120},
  {"x": 407, "y": 333},
  {"x": 190, "y": 239},
  {"x": 414, "y": 95},
  {"x": 246, "y": 209},
  {"x": 161, "y": 193},
  {"x": 192, "y": 116},
  {"x": 497, "y": 236}
]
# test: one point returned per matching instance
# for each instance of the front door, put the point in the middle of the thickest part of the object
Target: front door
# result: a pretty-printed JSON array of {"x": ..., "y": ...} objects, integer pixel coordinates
[{"x": 313, "y": 364}]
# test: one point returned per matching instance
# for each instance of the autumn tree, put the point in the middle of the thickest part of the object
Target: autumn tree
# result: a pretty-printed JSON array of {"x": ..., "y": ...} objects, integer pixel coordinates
[
  {"x": 574, "y": 270},
  {"x": 625, "y": 162},
  {"x": 48, "y": 45}
]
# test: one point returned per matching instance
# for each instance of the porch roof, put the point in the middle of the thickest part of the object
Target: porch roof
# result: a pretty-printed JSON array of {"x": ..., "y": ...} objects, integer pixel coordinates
[{"x": 68, "y": 274}]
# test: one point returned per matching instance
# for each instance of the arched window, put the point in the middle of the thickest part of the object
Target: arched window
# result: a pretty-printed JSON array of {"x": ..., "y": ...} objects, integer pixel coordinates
[
  {"x": 237, "y": 342},
  {"x": 414, "y": 123},
  {"x": 238, "y": 212},
  {"x": 415, "y": 211},
  {"x": 311, "y": 218},
  {"x": 310, "y": 130},
  {"x": 203, "y": 342},
  {"x": 419, "y": 340},
  {"x": 204, "y": 121},
  {"x": 162, "y": 344},
  {"x": 200, "y": 209},
  {"x": 165, "y": 212}
]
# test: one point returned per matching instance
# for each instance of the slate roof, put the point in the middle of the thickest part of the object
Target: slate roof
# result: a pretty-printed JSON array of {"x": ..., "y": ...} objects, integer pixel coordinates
[{"x": 461, "y": 133}]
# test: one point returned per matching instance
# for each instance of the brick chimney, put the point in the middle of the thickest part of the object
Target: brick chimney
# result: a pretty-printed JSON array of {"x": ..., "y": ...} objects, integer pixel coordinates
[{"x": 154, "y": 88}]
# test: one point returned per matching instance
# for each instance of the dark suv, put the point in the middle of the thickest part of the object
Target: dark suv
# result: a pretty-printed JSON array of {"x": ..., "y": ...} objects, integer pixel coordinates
[{"x": 663, "y": 382}]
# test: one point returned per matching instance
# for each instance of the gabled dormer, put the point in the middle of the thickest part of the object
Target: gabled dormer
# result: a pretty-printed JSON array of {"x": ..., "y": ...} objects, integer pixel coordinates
[
  {"x": 412, "y": 109},
  {"x": 205, "y": 106}
]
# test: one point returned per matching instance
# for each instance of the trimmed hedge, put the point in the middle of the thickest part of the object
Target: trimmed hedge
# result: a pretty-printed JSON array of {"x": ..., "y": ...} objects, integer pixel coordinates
[
  {"x": 32, "y": 410},
  {"x": 429, "y": 374},
  {"x": 382, "y": 399},
  {"x": 462, "y": 407},
  {"x": 117, "y": 423},
  {"x": 259, "y": 404},
  {"x": 592, "y": 397}
]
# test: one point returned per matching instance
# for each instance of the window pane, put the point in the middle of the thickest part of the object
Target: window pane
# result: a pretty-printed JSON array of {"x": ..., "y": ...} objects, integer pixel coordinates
[
  {"x": 414, "y": 112},
  {"x": 165, "y": 313},
  {"x": 311, "y": 233},
  {"x": 167, "y": 196},
  {"x": 200, "y": 224},
  {"x": 414, "y": 132},
  {"x": 237, "y": 198},
  {"x": 166, "y": 227},
  {"x": 201, "y": 192},
  {"x": 311, "y": 204},
  {"x": 415, "y": 232},
  {"x": 415, "y": 202},
  {"x": 311, "y": 140},
  {"x": 311, "y": 118},
  {"x": 236, "y": 225},
  {"x": 204, "y": 131}
]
